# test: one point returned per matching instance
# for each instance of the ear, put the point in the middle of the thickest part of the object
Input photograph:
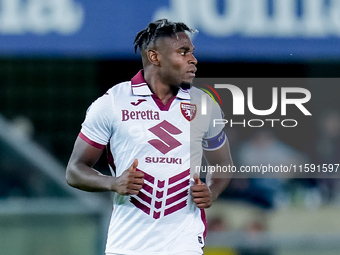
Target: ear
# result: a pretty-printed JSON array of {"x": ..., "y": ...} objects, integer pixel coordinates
[{"x": 153, "y": 57}]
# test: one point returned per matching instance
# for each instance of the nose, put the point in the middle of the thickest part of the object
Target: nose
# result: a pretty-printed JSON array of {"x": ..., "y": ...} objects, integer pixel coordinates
[{"x": 192, "y": 59}]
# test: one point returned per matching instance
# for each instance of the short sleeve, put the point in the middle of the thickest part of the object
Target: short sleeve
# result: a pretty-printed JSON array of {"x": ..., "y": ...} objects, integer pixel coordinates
[
  {"x": 97, "y": 127},
  {"x": 215, "y": 113},
  {"x": 215, "y": 137}
]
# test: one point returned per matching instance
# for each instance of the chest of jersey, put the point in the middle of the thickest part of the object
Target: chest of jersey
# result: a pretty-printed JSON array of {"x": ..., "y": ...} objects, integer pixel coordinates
[{"x": 139, "y": 122}]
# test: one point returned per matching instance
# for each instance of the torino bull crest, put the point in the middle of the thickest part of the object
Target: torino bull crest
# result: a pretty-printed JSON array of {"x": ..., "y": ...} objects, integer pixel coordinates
[{"x": 188, "y": 111}]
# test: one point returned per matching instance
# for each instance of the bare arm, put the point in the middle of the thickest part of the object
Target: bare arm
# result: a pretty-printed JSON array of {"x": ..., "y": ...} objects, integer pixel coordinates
[
  {"x": 80, "y": 173},
  {"x": 218, "y": 181},
  {"x": 205, "y": 194}
]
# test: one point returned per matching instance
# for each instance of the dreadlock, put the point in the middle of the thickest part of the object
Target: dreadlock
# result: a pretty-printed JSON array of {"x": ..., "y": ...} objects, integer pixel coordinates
[{"x": 157, "y": 29}]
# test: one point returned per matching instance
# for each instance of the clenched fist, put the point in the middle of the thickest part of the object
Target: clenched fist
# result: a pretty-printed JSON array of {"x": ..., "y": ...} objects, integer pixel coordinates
[
  {"x": 130, "y": 182},
  {"x": 201, "y": 193}
]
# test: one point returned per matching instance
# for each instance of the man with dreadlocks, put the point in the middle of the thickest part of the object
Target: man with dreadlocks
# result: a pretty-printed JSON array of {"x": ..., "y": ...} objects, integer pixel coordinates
[{"x": 152, "y": 132}]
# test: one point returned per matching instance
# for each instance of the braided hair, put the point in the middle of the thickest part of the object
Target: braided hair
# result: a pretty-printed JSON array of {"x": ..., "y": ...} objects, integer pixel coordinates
[{"x": 157, "y": 29}]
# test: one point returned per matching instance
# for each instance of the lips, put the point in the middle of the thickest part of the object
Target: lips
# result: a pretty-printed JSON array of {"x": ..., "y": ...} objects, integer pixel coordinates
[{"x": 192, "y": 72}]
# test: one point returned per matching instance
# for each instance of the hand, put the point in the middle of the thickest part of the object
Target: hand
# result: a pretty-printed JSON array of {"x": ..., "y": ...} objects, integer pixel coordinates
[
  {"x": 201, "y": 193},
  {"x": 131, "y": 181}
]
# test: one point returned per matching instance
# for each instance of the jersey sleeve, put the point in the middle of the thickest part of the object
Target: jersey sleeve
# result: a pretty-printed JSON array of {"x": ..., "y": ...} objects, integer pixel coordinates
[
  {"x": 97, "y": 127},
  {"x": 215, "y": 137}
]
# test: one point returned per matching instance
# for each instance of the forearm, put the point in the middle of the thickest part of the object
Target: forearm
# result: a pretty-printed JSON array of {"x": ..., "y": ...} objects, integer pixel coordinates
[
  {"x": 217, "y": 183},
  {"x": 83, "y": 177}
]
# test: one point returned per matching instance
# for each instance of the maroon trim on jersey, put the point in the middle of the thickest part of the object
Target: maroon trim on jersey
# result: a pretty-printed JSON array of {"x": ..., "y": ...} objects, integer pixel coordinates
[
  {"x": 158, "y": 204},
  {"x": 175, "y": 208},
  {"x": 177, "y": 197},
  {"x": 90, "y": 142},
  {"x": 139, "y": 85},
  {"x": 144, "y": 197},
  {"x": 178, "y": 187},
  {"x": 138, "y": 78},
  {"x": 160, "y": 104},
  {"x": 147, "y": 188},
  {"x": 140, "y": 205},
  {"x": 204, "y": 220},
  {"x": 160, "y": 184},
  {"x": 184, "y": 90},
  {"x": 145, "y": 202},
  {"x": 138, "y": 81},
  {"x": 159, "y": 194},
  {"x": 147, "y": 177},
  {"x": 179, "y": 176},
  {"x": 156, "y": 215}
]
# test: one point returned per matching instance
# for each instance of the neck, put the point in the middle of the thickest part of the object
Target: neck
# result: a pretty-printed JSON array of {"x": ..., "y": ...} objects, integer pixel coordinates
[{"x": 164, "y": 91}]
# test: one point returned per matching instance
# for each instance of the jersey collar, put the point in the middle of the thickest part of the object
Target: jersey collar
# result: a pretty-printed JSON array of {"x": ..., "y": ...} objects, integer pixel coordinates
[{"x": 140, "y": 87}]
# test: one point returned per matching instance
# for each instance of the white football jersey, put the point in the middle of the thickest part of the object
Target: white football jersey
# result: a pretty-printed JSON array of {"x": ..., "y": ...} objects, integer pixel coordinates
[{"x": 166, "y": 139}]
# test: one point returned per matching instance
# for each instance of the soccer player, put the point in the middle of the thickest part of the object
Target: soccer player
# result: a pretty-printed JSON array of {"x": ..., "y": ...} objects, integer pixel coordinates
[{"x": 155, "y": 135}]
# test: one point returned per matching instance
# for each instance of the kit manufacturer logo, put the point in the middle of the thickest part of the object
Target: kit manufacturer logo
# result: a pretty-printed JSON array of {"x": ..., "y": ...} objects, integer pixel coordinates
[{"x": 138, "y": 102}]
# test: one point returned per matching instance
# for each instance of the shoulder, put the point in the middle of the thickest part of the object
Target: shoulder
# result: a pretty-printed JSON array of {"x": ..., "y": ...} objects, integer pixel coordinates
[
  {"x": 117, "y": 91},
  {"x": 196, "y": 94},
  {"x": 203, "y": 99},
  {"x": 109, "y": 97},
  {"x": 120, "y": 88}
]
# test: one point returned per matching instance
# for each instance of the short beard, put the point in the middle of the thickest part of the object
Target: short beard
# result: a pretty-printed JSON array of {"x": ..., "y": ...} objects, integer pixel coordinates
[{"x": 185, "y": 85}]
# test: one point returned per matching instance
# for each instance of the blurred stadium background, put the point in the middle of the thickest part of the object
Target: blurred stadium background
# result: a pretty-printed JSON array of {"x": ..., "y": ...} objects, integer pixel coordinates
[{"x": 57, "y": 56}]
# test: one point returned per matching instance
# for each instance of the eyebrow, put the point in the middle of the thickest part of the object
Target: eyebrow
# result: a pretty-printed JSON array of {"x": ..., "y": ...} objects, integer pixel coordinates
[{"x": 186, "y": 48}]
